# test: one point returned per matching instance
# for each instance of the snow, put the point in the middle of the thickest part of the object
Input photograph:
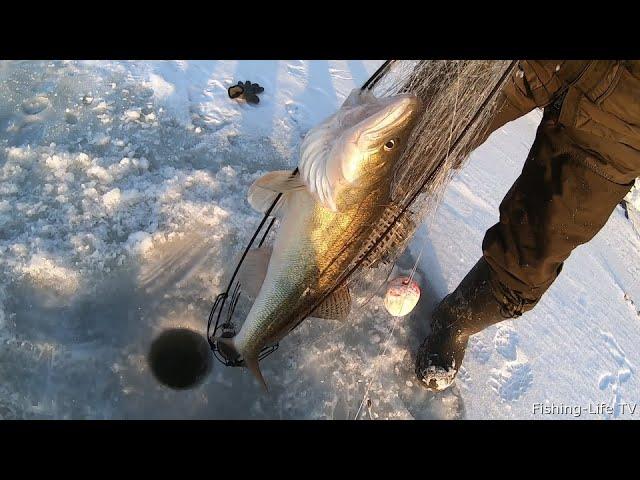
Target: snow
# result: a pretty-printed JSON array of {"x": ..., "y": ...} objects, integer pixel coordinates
[
  {"x": 633, "y": 205},
  {"x": 122, "y": 210}
]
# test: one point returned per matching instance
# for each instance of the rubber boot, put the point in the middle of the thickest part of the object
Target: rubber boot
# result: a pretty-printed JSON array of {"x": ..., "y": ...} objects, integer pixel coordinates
[{"x": 471, "y": 307}]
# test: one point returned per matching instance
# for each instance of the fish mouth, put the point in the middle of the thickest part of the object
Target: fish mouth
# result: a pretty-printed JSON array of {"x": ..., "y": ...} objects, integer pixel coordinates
[{"x": 392, "y": 115}]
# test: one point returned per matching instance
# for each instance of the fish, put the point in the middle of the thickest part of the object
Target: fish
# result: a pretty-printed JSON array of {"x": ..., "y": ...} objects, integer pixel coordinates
[{"x": 327, "y": 212}]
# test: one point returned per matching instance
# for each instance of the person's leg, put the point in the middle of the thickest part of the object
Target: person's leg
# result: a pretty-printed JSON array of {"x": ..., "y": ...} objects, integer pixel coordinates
[{"x": 556, "y": 204}]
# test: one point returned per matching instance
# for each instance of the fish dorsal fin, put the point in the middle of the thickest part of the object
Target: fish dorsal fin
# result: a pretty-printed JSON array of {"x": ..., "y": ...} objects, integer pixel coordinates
[
  {"x": 254, "y": 270},
  {"x": 264, "y": 190},
  {"x": 336, "y": 306}
]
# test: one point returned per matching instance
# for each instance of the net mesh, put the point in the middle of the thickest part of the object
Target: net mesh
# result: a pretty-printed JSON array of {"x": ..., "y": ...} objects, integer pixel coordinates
[{"x": 459, "y": 97}]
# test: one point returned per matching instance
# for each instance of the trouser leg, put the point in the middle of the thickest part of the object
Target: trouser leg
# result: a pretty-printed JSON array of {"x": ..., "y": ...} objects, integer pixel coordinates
[{"x": 557, "y": 203}]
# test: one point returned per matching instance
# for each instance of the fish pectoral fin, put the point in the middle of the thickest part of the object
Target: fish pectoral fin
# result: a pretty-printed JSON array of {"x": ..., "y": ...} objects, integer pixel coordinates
[
  {"x": 336, "y": 306},
  {"x": 264, "y": 190},
  {"x": 254, "y": 270}
]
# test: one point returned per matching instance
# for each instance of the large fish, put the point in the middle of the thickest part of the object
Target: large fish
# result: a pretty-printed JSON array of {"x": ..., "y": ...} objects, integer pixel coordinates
[{"x": 327, "y": 212}]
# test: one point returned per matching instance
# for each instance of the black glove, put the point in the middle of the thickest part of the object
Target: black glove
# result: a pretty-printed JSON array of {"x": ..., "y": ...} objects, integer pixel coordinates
[{"x": 247, "y": 91}]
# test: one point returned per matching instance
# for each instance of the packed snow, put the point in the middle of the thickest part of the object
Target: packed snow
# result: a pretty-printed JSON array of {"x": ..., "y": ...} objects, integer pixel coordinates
[{"x": 122, "y": 209}]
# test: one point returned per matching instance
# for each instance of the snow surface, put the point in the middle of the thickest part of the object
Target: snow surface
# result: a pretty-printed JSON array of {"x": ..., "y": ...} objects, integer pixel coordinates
[
  {"x": 122, "y": 208},
  {"x": 632, "y": 202}
]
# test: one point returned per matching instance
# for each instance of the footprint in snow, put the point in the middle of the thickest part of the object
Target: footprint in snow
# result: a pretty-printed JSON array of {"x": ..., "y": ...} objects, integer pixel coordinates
[
  {"x": 506, "y": 342},
  {"x": 298, "y": 113},
  {"x": 615, "y": 378},
  {"x": 297, "y": 70},
  {"x": 515, "y": 377},
  {"x": 340, "y": 74},
  {"x": 512, "y": 380},
  {"x": 35, "y": 105},
  {"x": 631, "y": 304},
  {"x": 464, "y": 377},
  {"x": 479, "y": 350}
]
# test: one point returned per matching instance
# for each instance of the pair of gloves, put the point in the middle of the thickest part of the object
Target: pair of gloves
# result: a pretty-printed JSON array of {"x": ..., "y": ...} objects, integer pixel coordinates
[{"x": 247, "y": 91}]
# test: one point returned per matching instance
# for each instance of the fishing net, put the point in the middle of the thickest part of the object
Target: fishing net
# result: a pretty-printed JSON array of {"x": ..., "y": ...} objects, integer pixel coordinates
[
  {"x": 458, "y": 101},
  {"x": 458, "y": 98}
]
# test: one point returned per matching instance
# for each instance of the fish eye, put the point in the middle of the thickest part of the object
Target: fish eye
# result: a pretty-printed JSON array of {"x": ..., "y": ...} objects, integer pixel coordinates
[{"x": 390, "y": 145}]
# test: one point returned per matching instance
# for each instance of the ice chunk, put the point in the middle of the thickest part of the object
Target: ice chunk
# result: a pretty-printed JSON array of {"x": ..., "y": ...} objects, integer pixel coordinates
[
  {"x": 139, "y": 243},
  {"x": 132, "y": 115},
  {"x": 100, "y": 174},
  {"x": 111, "y": 199},
  {"x": 45, "y": 273}
]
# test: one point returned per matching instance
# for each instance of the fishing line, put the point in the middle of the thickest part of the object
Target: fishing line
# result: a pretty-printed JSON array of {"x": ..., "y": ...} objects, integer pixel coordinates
[
  {"x": 380, "y": 355},
  {"x": 455, "y": 106},
  {"x": 365, "y": 303},
  {"x": 395, "y": 319},
  {"x": 453, "y": 119},
  {"x": 376, "y": 370},
  {"x": 393, "y": 327}
]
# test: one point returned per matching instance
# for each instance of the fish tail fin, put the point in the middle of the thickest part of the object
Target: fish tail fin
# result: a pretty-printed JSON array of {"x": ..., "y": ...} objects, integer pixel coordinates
[
  {"x": 228, "y": 349},
  {"x": 253, "y": 365}
]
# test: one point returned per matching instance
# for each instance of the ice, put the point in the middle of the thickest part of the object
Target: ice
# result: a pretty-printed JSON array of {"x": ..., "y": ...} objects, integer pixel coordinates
[
  {"x": 139, "y": 242},
  {"x": 46, "y": 274},
  {"x": 127, "y": 220}
]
